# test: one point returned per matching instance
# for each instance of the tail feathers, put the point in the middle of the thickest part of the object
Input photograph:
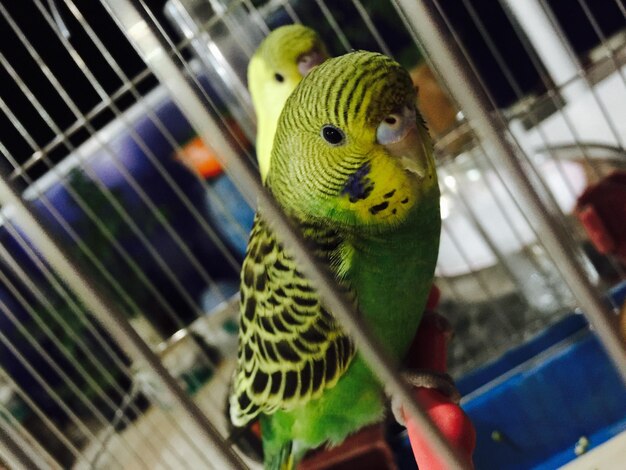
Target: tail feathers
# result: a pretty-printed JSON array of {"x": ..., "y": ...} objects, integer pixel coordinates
[{"x": 283, "y": 460}]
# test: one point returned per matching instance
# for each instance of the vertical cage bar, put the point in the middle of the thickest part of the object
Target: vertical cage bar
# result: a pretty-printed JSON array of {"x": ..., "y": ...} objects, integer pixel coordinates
[
  {"x": 88, "y": 352},
  {"x": 462, "y": 84},
  {"x": 20, "y": 435},
  {"x": 18, "y": 457},
  {"x": 149, "y": 46},
  {"x": 114, "y": 321},
  {"x": 556, "y": 58}
]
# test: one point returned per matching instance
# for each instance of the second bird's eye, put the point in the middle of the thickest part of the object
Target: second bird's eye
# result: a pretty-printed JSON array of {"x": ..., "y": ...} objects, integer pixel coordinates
[
  {"x": 333, "y": 135},
  {"x": 278, "y": 77},
  {"x": 395, "y": 126}
]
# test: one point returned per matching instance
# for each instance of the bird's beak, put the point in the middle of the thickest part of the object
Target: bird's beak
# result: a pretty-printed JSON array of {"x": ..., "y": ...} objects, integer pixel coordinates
[
  {"x": 310, "y": 59},
  {"x": 412, "y": 151}
]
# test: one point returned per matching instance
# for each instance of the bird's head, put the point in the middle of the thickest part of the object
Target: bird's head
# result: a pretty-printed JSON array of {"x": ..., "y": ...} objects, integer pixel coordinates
[
  {"x": 284, "y": 57},
  {"x": 351, "y": 147}
]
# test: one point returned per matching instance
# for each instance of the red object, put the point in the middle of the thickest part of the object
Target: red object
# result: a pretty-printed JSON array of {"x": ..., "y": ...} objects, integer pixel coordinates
[
  {"x": 433, "y": 298},
  {"x": 255, "y": 427},
  {"x": 451, "y": 421},
  {"x": 368, "y": 448},
  {"x": 602, "y": 211},
  {"x": 429, "y": 351},
  {"x": 200, "y": 158},
  {"x": 365, "y": 450}
]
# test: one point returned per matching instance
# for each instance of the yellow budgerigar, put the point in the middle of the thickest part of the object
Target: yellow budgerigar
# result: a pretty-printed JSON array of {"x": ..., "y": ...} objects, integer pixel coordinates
[{"x": 285, "y": 56}]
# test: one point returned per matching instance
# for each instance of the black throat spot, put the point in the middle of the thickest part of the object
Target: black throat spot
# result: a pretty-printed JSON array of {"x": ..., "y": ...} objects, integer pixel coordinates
[{"x": 359, "y": 186}]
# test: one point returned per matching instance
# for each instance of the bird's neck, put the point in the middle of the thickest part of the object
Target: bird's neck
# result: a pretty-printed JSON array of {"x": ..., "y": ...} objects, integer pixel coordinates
[{"x": 392, "y": 275}]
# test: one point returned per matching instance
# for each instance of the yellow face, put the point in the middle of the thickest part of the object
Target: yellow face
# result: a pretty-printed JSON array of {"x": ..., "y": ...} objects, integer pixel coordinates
[
  {"x": 279, "y": 64},
  {"x": 389, "y": 195},
  {"x": 350, "y": 146},
  {"x": 285, "y": 56}
]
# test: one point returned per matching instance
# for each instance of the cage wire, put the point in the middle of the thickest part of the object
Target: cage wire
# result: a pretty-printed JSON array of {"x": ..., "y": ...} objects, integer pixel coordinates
[{"x": 102, "y": 154}]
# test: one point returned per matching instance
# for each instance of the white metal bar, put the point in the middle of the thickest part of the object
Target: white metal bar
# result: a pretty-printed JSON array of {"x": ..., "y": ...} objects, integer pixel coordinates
[
  {"x": 73, "y": 386},
  {"x": 45, "y": 386},
  {"x": 535, "y": 177},
  {"x": 290, "y": 11},
  {"x": 620, "y": 139},
  {"x": 17, "y": 456},
  {"x": 542, "y": 184},
  {"x": 461, "y": 197},
  {"x": 520, "y": 95},
  {"x": 372, "y": 28},
  {"x": 26, "y": 440},
  {"x": 506, "y": 215},
  {"x": 208, "y": 41},
  {"x": 174, "y": 49},
  {"x": 569, "y": 123},
  {"x": 121, "y": 211},
  {"x": 58, "y": 19},
  {"x": 151, "y": 113},
  {"x": 235, "y": 29},
  {"x": 122, "y": 169},
  {"x": 343, "y": 39},
  {"x": 65, "y": 134},
  {"x": 51, "y": 426},
  {"x": 115, "y": 243},
  {"x": 81, "y": 203},
  {"x": 88, "y": 353},
  {"x": 553, "y": 52},
  {"x": 488, "y": 238},
  {"x": 116, "y": 323},
  {"x": 463, "y": 86},
  {"x": 481, "y": 283},
  {"x": 254, "y": 12},
  {"x": 153, "y": 160},
  {"x": 18, "y": 237},
  {"x": 554, "y": 98},
  {"x": 609, "y": 52},
  {"x": 147, "y": 43},
  {"x": 85, "y": 320},
  {"x": 492, "y": 164},
  {"x": 86, "y": 250},
  {"x": 592, "y": 162}
]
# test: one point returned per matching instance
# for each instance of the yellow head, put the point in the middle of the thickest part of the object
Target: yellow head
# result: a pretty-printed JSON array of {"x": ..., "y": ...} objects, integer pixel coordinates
[
  {"x": 285, "y": 56},
  {"x": 351, "y": 149}
]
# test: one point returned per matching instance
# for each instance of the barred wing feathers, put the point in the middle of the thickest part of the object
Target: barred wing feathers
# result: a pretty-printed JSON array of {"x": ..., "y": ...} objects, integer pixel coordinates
[{"x": 290, "y": 348}]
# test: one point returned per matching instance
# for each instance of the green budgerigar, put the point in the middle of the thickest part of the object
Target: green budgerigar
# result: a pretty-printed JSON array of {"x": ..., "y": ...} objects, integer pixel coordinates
[
  {"x": 352, "y": 165},
  {"x": 285, "y": 56}
]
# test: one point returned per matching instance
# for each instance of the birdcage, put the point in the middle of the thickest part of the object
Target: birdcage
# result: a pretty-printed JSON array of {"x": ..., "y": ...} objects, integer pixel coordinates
[{"x": 129, "y": 186}]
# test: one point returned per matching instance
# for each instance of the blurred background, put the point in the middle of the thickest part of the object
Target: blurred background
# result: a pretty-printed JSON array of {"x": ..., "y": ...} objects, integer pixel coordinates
[{"x": 109, "y": 164}]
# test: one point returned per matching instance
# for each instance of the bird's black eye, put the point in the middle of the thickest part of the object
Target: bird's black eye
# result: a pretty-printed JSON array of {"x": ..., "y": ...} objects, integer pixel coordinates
[
  {"x": 333, "y": 135},
  {"x": 279, "y": 78}
]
